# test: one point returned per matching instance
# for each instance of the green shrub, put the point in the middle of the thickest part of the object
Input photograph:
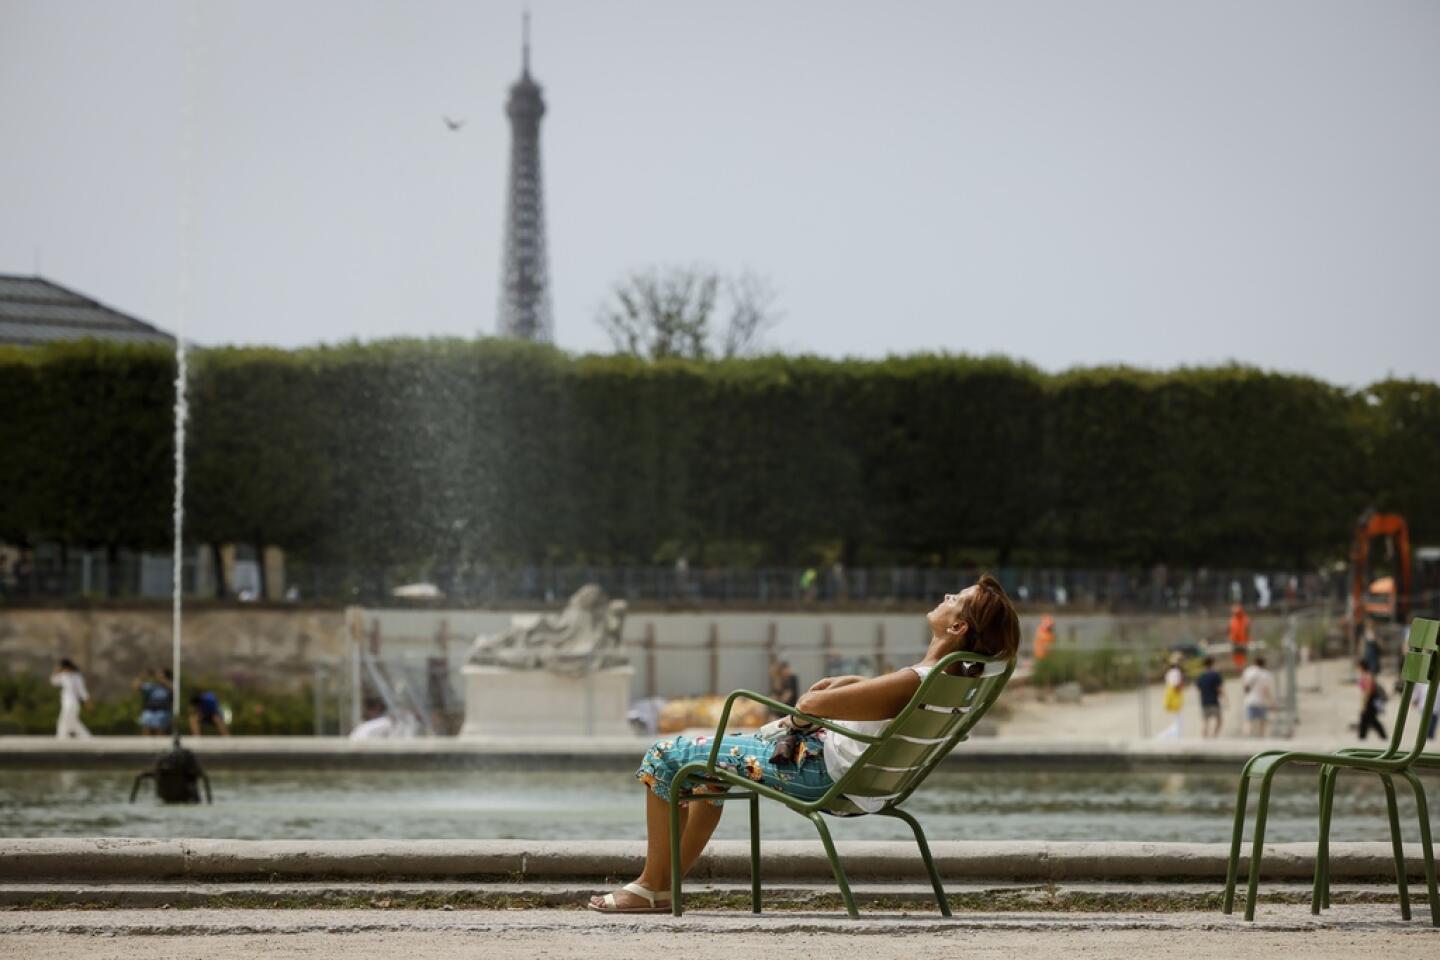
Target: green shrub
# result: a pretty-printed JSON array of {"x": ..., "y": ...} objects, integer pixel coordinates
[
  {"x": 1108, "y": 668},
  {"x": 30, "y": 705}
]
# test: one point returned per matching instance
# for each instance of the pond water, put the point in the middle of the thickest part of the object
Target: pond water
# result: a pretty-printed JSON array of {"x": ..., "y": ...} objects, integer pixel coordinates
[{"x": 490, "y": 804}]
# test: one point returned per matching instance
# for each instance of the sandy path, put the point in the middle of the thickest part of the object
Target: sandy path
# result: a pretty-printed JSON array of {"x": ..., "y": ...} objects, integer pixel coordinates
[
  {"x": 223, "y": 935},
  {"x": 1329, "y": 705}
]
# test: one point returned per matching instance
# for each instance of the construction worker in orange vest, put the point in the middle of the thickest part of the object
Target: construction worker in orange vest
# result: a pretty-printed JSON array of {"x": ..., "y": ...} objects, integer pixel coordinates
[
  {"x": 1044, "y": 636},
  {"x": 1239, "y": 636}
]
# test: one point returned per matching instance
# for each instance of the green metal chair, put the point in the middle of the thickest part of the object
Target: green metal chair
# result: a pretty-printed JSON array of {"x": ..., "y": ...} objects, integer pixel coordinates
[
  {"x": 941, "y": 714},
  {"x": 1421, "y": 665},
  {"x": 1424, "y": 636}
]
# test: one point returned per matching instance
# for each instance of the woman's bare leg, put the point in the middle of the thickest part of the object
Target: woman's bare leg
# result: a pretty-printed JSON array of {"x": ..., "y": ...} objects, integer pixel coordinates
[{"x": 697, "y": 824}]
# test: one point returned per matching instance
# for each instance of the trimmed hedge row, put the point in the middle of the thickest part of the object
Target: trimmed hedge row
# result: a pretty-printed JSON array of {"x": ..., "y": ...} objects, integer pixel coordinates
[
  {"x": 427, "y": 454},
  {"x": 29, "y": 706}
]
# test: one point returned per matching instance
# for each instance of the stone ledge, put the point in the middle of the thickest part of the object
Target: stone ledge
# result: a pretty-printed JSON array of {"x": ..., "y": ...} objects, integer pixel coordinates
[
  {"x": 608, "y": 753},
  {"x": 114, "y": 860}
]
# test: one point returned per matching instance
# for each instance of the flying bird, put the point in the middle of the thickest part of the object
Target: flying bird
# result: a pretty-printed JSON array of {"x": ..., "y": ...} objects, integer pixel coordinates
[{"x": 454, "y": 124}]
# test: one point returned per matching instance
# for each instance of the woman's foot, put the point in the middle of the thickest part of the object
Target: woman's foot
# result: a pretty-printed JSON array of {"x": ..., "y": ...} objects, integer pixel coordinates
[{"x": 631, "y": 898}]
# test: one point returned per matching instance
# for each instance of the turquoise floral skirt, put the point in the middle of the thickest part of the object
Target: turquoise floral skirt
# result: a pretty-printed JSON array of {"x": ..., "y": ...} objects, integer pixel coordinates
[{"x": 745, "y": 754}]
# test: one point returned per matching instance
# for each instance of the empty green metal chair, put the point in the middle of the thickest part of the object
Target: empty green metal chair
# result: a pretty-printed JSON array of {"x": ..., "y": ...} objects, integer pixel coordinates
[
  {"x": 1424, "y": 637},
  {"x": 1420, "y": 665},
  {"x": 941, "y": 714}
]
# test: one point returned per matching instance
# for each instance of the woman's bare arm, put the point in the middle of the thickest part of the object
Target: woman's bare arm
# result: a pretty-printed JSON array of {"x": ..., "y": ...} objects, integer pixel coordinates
[
  {"x": 830, "y": 683},
  {"x": 877, "y": 698}
]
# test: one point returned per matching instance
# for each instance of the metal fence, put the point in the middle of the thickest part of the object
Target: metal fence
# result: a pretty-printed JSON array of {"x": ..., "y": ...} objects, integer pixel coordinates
[
  {"x": 77, "y": 574},
  {"x": 1156, "y": 588}
]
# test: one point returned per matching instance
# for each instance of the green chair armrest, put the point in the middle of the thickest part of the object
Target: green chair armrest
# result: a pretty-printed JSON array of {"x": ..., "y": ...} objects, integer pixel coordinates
[
  {"x": 1262, "y": 763},
  {"x": 779, "y": 707}
]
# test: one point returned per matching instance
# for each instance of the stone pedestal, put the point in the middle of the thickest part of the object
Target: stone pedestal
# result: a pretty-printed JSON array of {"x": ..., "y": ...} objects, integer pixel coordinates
[{"x": 501, "y": 702}]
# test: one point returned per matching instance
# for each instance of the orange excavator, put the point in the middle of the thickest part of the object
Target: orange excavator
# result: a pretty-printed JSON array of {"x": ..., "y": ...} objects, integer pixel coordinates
[{"x": 1380, "y": 570}]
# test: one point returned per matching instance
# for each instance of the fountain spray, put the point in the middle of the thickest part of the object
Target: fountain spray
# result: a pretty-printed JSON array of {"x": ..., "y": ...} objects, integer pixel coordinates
[{"x": 177, "y": 771}]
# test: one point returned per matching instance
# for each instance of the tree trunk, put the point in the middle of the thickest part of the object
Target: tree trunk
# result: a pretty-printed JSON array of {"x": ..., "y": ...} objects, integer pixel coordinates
[
  {"x": 24, "y": 568},
  {"x": 218, "y": 562},
  {"x": 260, "y": 565},
  {"x": 112, "y": 570}
]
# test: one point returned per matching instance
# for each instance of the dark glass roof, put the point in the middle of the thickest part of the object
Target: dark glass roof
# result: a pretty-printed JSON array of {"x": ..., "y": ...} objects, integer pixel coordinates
[{"x": 35, "y": 311}]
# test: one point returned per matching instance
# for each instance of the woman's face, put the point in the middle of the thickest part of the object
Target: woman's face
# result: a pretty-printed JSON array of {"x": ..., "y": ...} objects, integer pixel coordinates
[{"x": 946, "y": 617}]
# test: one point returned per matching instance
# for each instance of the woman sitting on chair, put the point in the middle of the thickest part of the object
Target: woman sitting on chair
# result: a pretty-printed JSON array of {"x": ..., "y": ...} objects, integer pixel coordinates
[{"x": 978, "y": 619}]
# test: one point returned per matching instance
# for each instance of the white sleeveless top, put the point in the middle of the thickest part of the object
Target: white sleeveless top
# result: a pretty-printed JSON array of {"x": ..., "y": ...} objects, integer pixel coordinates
[{"x": 841, "y": 751}]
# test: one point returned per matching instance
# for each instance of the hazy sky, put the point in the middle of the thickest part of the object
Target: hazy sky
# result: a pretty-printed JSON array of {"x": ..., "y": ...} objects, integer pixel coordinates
[{"x": 1067, "y": 182}]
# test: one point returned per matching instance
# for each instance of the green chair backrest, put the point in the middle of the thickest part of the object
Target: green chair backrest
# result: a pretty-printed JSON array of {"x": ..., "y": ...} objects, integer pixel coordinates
[
  {"x": 1421, "y": 665},
  {"x": 941, "y": 714}
]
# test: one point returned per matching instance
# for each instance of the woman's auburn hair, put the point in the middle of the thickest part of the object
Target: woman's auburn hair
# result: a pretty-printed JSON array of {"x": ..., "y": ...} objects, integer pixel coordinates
[{"x": 994, "y": 625}]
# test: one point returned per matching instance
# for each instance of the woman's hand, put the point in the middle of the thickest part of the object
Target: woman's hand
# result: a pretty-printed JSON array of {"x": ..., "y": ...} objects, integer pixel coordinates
[{"x": 830, "y": 683}]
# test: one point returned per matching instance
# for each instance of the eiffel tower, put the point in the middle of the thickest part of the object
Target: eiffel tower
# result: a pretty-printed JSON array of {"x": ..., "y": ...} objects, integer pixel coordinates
[{"x": 524, "y": 280}]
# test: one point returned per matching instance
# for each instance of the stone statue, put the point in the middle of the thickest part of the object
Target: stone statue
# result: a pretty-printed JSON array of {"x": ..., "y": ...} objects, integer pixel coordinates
[{"x": 582, "y": 638}]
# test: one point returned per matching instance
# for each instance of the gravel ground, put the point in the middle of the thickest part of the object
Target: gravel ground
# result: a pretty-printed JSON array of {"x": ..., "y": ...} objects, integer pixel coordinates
[{"x": 1347, "y": 931}]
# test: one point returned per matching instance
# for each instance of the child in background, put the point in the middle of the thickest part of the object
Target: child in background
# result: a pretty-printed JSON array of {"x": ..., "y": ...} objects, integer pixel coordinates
[
  {"x": 205, "y": 712},
  {"x": 1174, "y": 698}
]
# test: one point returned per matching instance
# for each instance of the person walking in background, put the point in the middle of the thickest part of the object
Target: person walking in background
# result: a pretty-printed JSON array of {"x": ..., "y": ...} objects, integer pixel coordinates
[
  {"x": 809, "y": 585},
  {"x": 1174, "y": 698},
  {"x": 1259, "y": 686},
  {"x": 682, "y": 578},
  {"x": 1044, "y": 637},
  {"x": 1239, "y": 636},
  {"x": 1372, "y": 701},
  {"x": 73, "y": 697},
  {"x": 1212, "y": 698},
  {"x": 205, "y": 712},
  {"x": 1370, "y": 647},
  {"x": 157, "y": 698}
]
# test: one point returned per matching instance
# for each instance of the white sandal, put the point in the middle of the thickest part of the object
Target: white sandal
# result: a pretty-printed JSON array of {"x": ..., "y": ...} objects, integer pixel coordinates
[{"x": 643, "y": 893}]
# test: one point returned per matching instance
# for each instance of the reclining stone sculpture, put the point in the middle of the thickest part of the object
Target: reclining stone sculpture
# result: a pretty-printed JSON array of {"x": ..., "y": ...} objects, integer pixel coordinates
[{"x": 582, "y": 638}]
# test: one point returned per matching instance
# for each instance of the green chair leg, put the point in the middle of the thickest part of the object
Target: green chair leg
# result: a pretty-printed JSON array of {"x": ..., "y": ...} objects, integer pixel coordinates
[
  {"x": 924, "y": 855},
  {"x": 676, "y": 877},
  {"x": 1315, "y": 883},
  {"x": 1327, "y": 813},
  {"x": 1258, "y": 846},
  {"x": 1427, "y": 851},
  {"x": 839, "y": 871},
  {"x": 1397, "y": 846},
  {"x": 1329, "y": 818},
  {"x": 1237, "y": 835},
  {"x": 754, "y": 853}
]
